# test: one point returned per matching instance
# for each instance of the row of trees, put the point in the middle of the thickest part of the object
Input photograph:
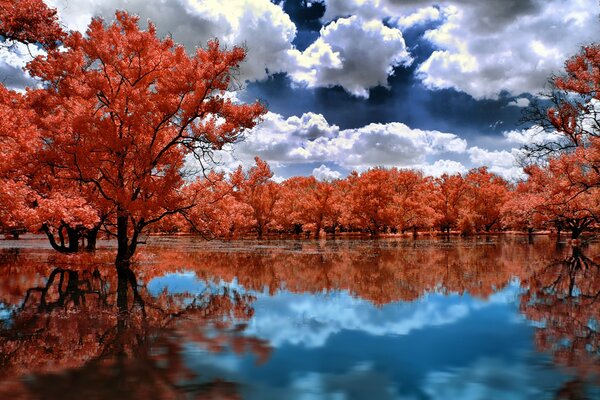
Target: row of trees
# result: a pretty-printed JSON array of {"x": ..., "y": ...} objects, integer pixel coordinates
[{"x": 386, "y": 201}]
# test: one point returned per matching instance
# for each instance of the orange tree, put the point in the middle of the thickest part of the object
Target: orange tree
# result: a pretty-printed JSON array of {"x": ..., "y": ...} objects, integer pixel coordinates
[{"x": 121, "y": 110}]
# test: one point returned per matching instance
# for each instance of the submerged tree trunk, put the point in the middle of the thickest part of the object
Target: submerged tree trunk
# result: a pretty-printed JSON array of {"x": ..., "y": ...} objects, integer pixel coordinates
[
  {"x": 92, "y": 238},
  {"x": 125, "y": 245},
  {"x": 71, "y": 245}
]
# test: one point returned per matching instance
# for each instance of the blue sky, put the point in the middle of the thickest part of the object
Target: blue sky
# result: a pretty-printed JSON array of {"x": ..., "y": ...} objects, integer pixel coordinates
[{"x": 353, "y": 84}]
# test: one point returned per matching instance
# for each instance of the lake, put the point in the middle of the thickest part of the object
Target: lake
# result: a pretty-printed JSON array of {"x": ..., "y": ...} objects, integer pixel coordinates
[{"x": 492, "y": 317}]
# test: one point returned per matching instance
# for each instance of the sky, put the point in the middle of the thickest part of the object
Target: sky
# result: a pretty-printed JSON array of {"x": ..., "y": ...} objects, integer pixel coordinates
[{"x": 354, "y": 84}]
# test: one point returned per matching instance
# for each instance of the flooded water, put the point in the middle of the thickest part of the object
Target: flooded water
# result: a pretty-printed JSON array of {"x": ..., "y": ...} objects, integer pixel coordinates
[{"x": 484, "y": 318}]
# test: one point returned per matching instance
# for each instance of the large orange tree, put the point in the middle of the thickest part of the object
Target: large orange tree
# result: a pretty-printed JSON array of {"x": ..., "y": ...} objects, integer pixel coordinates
[{"x": 121, "y": 110}]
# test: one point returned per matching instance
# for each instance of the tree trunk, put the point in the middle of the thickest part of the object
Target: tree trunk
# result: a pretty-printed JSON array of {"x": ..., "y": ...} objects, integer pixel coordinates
[
  {"x": 122, "y": 261},
  {"x": 73, "y": 236},
  {"x": 92, "y": 237}
]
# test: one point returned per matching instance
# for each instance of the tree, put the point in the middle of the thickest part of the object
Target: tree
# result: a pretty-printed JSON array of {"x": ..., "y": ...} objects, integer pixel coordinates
[
  {"x": 520, "y": 211},
  {"x": 562, "y": 298},
  {"x": 573, "y": 114},
  {"x": 449, "y": 197},
  {"x": 120, "y": 112},
  {"x": 259, "y": 192},
  {"x": 486, "y": 194},
  {"x": 372, "y": 200},
  {"x": 412, "y": 200},
  {"x": 560, "y": 202}
]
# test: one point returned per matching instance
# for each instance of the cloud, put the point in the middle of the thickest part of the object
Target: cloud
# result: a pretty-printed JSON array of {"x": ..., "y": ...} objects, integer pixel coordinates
[
  {"x": 486, "y": 47},
  {"x": 354, "y": 53},
  {"x": 12, "y": 61},
  {"x": 311, "y": 139},
  {"x": 501, "y": 162},
  {"x": 336, "y": 58},
  {"x": 520, "y": 102},
  {"x": 489, "y": 47},
  {"x": 491, "y": 378},
  {"x": 532, "y": 135},
  {"x": 324, "y": 173},
  {"x": 421, "y": 16},
  {"x": 444, "y": 167},
  {"x": 309, "y": 321}
]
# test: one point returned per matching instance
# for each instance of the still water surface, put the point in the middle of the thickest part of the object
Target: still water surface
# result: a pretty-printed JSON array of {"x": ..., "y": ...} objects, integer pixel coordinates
[{"x": 484, "y": 318}]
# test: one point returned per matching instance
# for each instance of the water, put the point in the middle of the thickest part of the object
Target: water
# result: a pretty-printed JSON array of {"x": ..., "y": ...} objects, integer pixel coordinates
[{"x": 483, "y": 318}]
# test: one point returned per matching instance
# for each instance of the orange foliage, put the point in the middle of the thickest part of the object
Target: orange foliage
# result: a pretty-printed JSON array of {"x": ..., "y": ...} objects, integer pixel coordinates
[{"x": 30, "y": 21}]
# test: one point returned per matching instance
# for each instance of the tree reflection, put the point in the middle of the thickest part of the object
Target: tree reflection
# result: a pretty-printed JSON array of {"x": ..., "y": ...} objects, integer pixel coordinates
[
  {"x": 74, "y": 327},
  {"x": 87, "y": 331},
  {"x": 381, "y": 274},
  {"x": 563, "y": 298}
]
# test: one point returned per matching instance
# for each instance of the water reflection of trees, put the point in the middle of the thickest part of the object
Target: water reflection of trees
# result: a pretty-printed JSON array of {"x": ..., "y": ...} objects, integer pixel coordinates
[
  {"x": 83, "y": 330},
  {"x": 116, "y": 339},
  {"x": 563, "y": 298},
  {"x": 380, "y": 274}
]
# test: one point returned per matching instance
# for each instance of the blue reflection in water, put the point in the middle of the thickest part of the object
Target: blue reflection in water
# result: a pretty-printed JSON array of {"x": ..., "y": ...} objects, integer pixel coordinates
[{"x": 335, "y": 346}]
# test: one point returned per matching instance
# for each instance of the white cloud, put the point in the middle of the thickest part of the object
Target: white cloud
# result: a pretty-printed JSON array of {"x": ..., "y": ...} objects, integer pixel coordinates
[
  {"x": 324, "y": 173},
  {"x": 501, "y": 162},
  {"x": 444, "y": 167},
  {"x": 484, "y": 50},
  {"x": 421, "y": 16},
  {"x": 310, "y": 138},
  {"x": 491, "y": 378},
  {"x": 354, "y": 53},
  {"x": 12, "y": 61},
  {"x": 532, "y": 135},
  {"x": 336, "y": 58},
  {"x": 486, "y": 47},
  {"x": 310, "y": 320}
]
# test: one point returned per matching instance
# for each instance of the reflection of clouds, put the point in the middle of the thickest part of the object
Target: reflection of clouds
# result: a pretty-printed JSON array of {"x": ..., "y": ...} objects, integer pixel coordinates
[
  {"x": 359, "y": 382},
  {"x": 187, "y": 282},
  {"x": 309, "y": 320},
  {"x": 493, "y": 379}
]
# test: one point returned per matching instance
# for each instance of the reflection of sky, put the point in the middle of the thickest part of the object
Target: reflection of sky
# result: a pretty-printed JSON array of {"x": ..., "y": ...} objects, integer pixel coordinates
[{"x": 335, "y": 346}]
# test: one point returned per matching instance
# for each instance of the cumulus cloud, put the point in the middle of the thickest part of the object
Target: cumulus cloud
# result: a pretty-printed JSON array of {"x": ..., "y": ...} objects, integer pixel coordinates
[
  {"x": 486, "y": 47},
  {"x": 489, "y": 47},
  {"x": 532, "y": 135},
  {"x": 354, "y": 53},
  {"x": 501, "y": 162},
  {"x": 421, "y": 16},
  {"x": 310, "y": 321},
  {"x": 336, "y": 58},
  {"x": 311, "y": 139},
  {"x": 324, "y": 173},
  {"x": 491, "y": 378},
  {"x": 441, "y": 167}
]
